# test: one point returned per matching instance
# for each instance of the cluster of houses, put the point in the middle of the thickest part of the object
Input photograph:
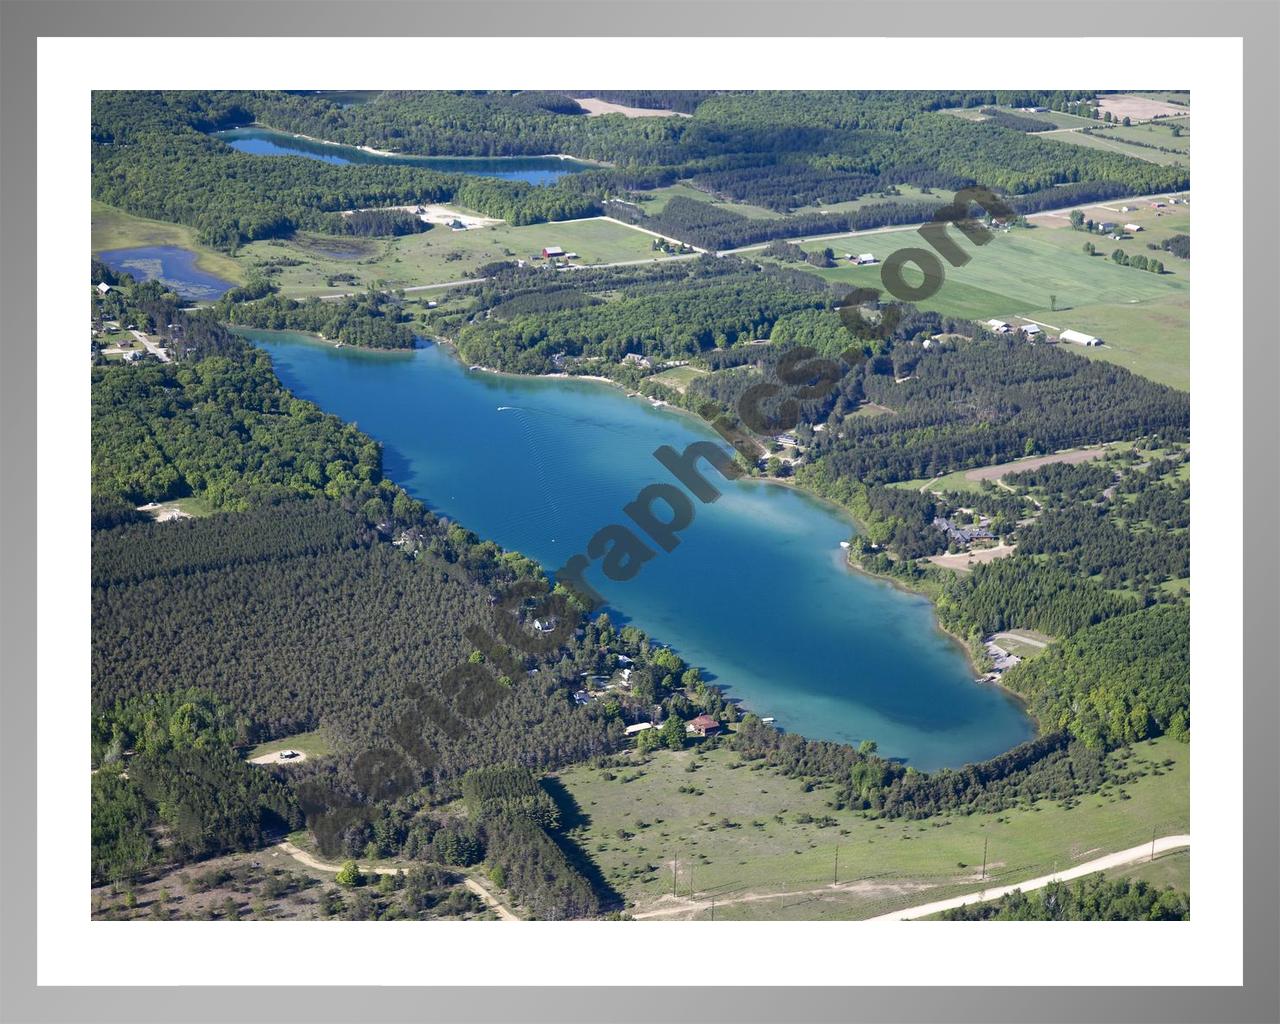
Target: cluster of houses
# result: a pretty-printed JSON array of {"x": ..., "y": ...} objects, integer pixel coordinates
[
  {"x": 1034, "y": 332},
  {"x": 963, "y": 534}
]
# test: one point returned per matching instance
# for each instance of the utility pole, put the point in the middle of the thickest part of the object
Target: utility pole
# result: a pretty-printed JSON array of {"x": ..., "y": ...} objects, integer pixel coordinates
[
  {"x": 984, "y": 857},
  {"x": 835, "y": 877}
]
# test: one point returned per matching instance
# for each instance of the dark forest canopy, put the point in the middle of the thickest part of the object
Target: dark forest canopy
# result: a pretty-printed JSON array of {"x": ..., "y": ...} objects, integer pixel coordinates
[
  {"x": 372, "y": 320},
  {"x": 675, "y": 312}
]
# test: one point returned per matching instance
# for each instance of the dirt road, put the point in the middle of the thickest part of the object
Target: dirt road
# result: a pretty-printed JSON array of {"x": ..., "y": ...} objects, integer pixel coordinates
[
  {"x": 670, "y": 906},
  {"x": 485, "y": 895},
  {"x": 490, "y": 900},
  {"x": 1112, "y": 860}
]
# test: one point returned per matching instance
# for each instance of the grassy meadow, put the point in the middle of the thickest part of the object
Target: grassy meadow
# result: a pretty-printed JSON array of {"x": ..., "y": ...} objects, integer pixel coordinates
[
  {"x": 1133, "y": 140},
  {"x": 1042, "y": 274},
  {"x": 435, "y": 256},
  {"x": 763, "y": 848},
  {"x": 115, "y": 229}
]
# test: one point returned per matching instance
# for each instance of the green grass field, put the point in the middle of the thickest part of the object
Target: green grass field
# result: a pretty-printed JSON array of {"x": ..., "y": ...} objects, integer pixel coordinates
[
  {"x": 1172, "y": 868},
  {"x": 1143, "y": 318},
  {"x": 678, "y": 377},
  {"x": 438, "y": 255},
  {"x": 313, "y": 744},
  {"x": 115, "y": 229},
  {"x": 1056, "y": 118},
  {"x": 739, "y": 830},
  {"x": 655, "y": 201},
  {"x": 1117, "y": 139},
  {"x": 1014, "y": 642}
]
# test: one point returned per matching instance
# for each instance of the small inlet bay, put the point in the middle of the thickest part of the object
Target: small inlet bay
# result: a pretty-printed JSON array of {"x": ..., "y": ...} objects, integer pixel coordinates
[{"x": 537, "y": 170}]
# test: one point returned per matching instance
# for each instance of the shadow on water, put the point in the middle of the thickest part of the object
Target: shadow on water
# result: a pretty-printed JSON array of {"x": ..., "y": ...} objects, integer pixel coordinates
[
  {"x": 395, "y": 464},
  {"x": 572, "y": 816}
]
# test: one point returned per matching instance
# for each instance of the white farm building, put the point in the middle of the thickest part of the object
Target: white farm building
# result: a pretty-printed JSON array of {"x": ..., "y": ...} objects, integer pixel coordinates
[{"x": 1079, "y": 338}]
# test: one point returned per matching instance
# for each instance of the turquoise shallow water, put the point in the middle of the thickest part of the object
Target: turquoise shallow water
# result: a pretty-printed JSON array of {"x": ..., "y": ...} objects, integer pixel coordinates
[
  {"x": 538, "y": 170},
  {"x": 756, "y": 592}
]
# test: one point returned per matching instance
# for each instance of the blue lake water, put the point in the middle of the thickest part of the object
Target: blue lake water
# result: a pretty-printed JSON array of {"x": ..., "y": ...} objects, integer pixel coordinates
[
  {"x": 538, "y": 170},
  {"x": 757, "y": 592},
  {"x": 170, "y": 264}
]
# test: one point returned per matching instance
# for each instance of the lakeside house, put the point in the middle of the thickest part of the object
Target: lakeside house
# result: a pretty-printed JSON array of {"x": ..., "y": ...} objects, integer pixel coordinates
[
  {"x": 103, "y": 287},
  {"x": 962, "y": 534},
  {"x": 703, "y": 725},
  {"x": 545, "y": 625}
]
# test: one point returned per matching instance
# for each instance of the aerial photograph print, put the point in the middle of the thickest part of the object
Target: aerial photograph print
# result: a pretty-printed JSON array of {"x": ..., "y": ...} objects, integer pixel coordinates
[{"x": 640, "y": 505}]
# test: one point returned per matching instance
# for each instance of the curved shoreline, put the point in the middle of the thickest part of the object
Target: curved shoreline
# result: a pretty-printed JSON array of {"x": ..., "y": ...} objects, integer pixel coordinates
[
  {"x": 411, "y": 156},
  {"x": 819, "y": 499},
  {"x": 832, "y": 506},
  {"x": 968, "y": 654}
]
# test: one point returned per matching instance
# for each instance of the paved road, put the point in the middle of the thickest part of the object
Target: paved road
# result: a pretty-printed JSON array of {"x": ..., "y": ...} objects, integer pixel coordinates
[
  {"x": 151, "y": 346},
  {"x": 1111, "y": 860}
]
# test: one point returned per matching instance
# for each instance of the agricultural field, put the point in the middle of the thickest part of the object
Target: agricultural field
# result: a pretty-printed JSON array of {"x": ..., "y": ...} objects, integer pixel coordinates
[
  {"x": 655, "y": 201},
  {"x": 115, "y": 229},
  {"x": 971, "y": 480},
  {"x": 1135, "y": 140},
  {"x": 1054, "y": 117},
  {"x": 763, "y": 848},
  {"x": 1043, "y": 274},
  {"x": 1178, "y": 97},
  {"x": 1143, "y": 106},
  {"x": 436, "y": 256}
]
